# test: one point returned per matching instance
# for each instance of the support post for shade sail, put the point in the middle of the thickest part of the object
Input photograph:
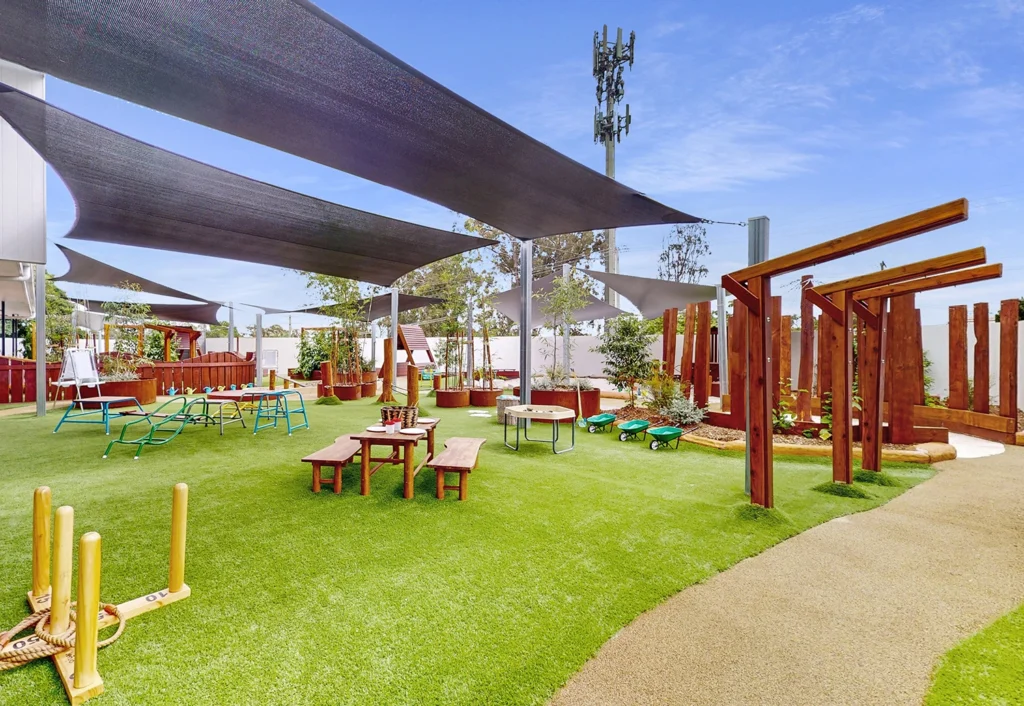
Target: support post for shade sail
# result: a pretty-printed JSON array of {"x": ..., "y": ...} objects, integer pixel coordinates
[
  {"x": 259, "y": 350},
  {"x": 525, "y": 323},
  {"x": 723, "y": 346},
  {"x": 757, "y": 251},
  {"x": 566, "y": 363},
  {"x": 470, "y": 345},
  {"x": 40, "y": 342},
  {"x": 394, "y": 335},
  {"x": 231, "y": 328}
]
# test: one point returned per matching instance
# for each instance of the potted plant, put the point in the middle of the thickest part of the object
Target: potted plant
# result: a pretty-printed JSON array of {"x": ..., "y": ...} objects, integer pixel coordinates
[
  {"x": 451, "y": 358},
  {"x": 369, "y": 378},
  {"x": 486, "y": 395}
]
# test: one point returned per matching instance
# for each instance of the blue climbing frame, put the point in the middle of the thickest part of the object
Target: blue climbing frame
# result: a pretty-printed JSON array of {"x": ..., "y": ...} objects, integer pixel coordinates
[
  {"x": 71, "y": 417},
  {"x": 274, "y": 405}
]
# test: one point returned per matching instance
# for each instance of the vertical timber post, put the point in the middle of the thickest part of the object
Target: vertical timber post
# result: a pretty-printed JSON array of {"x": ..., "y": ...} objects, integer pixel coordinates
[
  {"x": 179, "y": 522},
  {"x": 872, "y": 385},
  {"x": 759, "y": 376},
  {"x": 758, "y": 229},
  {"x": 958, "y": 398},
  {"x": 981, "y": 358},
  {"x": 87, "y": 628},
  {"x": 525, "y": 319},
  {"x": 842, "y": 390},
  {"x": 805, "y": 375},
  {"x": 702, "y": 356},
  {"x": 1008, "y": 358}
]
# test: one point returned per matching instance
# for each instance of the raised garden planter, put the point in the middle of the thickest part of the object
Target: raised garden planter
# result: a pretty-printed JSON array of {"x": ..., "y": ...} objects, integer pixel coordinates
[
  {"x": 452, "y": 398},
  {"x": 591, "y": 400},
  {"x": 142, "y": 390},
  {"x": 368, "y": 377},
  {"x": 483, "y": 398},
  {"x": 348, "y": 392},
  {"x": 369, "y": 389}
]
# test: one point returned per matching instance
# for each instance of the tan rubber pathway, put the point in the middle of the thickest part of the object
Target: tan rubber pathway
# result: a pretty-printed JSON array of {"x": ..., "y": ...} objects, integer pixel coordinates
[{"x": 856, "y": 611}]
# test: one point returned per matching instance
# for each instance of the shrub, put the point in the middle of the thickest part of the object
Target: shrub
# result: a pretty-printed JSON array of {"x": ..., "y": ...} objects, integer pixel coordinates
[
  {"x": 661, "y": 390},
  {"x": 626, "y": 350},
  {"x": 683, "y": 413}
]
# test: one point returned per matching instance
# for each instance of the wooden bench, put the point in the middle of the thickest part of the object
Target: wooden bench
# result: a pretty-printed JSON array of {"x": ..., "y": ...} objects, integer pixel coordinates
[
  {"x": 336, "y": 456},
  {"x": 459, "y": 456}
]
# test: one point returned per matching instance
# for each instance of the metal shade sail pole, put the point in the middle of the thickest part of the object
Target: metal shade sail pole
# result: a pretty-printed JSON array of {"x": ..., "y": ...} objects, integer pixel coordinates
[
  {"x": 470, "y": 344},
  {"x": 40, "y": 342},
  {"x": 231, "y": 328},
  {"x": 259, "y": 350},
  {"x": 566, "y": 363},
  {"x": 394, "y": 337},
  {"x": 525, "y": 316},
  {"x": 723, "y": 345}
]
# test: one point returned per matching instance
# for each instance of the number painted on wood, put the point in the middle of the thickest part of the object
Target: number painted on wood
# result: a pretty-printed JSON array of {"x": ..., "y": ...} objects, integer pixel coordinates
[{"x": 156, "y": 596}]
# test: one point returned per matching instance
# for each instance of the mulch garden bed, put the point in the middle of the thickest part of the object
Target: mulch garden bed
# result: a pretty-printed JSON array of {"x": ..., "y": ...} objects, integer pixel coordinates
[
  {"x": 707, "y": 431},
  {"x": 1020, "y": 420}
]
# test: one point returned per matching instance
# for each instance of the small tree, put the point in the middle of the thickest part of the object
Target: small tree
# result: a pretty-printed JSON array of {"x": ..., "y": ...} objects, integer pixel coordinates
[
  {"x": 567, "y": 295},
  {"x": 126, "y": 319},
  {"x": 627, "y": 352},
  {"x": 684, "y": 250}
]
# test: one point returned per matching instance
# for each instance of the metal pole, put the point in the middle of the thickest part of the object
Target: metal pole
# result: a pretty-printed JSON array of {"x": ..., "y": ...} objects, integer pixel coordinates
[
  {"x": 373, "y": 345},
  {"x": 525, "y": 319},
  {"x": 469, "y": 342},
  {"x": 231, "y": 328},
  {"x": 40, "y": 343},
  {"x": 757, "y": 251},
  {"x": 610, "y": 295},
  {"x": 259, "y": 350},
  {"x": 723, "y": 346},
  {"x": 394, "y": 336},
  {"x": 566, "y": 363},
  {"x": 3, "y": 328}
]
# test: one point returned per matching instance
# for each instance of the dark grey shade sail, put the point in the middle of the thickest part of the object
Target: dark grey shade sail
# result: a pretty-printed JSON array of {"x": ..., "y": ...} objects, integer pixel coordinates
[
  {"x": 204, "y": 313},
  {"x": 132, "y": 193},
  {"x": 377, "y": 307},
  {"x": 508, "y": 303},
  {"x": 87, "y": 270},
  {"x": 286, "y": 74},
  {"x": 653, "y": 296}
]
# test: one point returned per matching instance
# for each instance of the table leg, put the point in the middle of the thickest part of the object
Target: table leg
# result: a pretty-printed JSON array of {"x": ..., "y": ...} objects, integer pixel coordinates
[
  {"x": 430, "y": 442},
  {"x": 364, "y": 469},
  {"x": 440, "y": 484},
  {"x": 409, "y": 459},
  {"x": 337, "y": 477},
  {"x": 316, "y": 477}
]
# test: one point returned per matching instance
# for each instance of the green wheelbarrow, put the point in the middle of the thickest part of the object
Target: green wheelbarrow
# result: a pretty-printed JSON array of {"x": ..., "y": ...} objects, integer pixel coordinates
[
  {"x": 631, "y": 430},
  {"x": 663, "y": 436},
  {"x": 600, "y": 422}
]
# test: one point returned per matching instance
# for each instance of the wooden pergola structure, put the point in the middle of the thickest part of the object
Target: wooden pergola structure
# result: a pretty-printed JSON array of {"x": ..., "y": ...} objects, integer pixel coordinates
[
  {"x": 169, "y": 332},
  {"x": 752, "y": 288}
]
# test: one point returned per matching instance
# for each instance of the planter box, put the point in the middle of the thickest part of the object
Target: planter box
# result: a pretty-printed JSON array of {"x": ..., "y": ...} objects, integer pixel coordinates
[
  {"x": 452, "y": 398},
  {"x": 142, "y": 390},
  {"x": 437, "y": 382},
  {"x": 369, "y": 377},
  {"x": 484, "y": 398},
  {"x": 566, "y": 398},
  {"x": 369, "y": 389},
  {"x": 348, "y": 392}
]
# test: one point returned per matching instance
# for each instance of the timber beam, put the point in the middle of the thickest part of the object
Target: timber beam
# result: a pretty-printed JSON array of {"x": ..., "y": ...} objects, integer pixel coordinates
[
  {"x": 892, "y": 275},
  {"x": 941, "y": 281}
]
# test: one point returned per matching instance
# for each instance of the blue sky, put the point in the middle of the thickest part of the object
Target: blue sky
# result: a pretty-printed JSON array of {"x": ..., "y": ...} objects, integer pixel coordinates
[{"x": 826, "y": 117}]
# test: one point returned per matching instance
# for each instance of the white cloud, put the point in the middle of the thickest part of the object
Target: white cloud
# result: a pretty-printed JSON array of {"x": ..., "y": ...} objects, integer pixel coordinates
[
  {"x": 664, "y": 29},
  {"x": 718, "y": 157},
  {"x": 992, "y": 103}
]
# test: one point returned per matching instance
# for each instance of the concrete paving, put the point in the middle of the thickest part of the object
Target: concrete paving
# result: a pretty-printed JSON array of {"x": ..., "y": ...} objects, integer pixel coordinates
[{"x": 855, "y": 611}]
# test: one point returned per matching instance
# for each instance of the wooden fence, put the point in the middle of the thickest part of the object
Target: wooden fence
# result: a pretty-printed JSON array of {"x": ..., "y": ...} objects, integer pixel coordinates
[{"x": 18, "y": 376}]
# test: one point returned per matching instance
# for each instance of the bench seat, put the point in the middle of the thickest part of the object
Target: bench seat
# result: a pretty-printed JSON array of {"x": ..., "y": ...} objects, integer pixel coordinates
[
  {"x": 460, "y": 456},
  {"x": 336, "y": 456}
]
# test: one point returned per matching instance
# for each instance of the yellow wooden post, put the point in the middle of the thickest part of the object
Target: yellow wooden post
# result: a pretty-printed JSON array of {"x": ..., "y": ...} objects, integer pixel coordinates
[
  {"x": 106, "y": 338},
  {"x": 87, "y": 627},
  {"x": 179, "y": 518},
  {"x": 142, "y": 340},
  {"x": 273, "y": 380},
  {"x": 167, "y": 346},
  {"x": 41, "y": 504},
  {"x": 63, "y": 547}
]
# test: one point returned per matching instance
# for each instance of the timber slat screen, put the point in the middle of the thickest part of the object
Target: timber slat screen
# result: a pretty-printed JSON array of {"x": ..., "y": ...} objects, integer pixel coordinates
[
  {"x": 209, "y": 370},
  {"x": 18, "y": 381}
]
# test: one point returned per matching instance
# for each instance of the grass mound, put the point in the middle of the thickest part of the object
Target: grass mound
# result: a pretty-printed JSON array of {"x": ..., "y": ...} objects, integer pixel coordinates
[
  {"x": 842, "y": 490},
  {"x": 762, "y": 515},
  {"x": 330, "y": 401},
  {"x": 876, "y": 478}
]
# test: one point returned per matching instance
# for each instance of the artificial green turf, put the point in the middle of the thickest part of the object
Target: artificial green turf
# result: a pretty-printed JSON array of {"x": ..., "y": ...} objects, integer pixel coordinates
[
  {"x": 325, "y": 599},
  {"x": 986, "y": 668}
]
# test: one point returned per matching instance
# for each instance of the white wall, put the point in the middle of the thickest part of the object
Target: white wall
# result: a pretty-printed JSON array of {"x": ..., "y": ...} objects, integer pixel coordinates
[{"x": 22, "y": 181}]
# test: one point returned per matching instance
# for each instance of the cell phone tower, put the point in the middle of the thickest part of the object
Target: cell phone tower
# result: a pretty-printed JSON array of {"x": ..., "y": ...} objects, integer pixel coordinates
[{"x": 610, "y": 61}]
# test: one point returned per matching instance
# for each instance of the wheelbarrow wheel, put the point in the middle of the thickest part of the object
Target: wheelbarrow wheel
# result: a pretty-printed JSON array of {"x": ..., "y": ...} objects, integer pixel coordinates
[
  {"x": 623, "y": 436},
  {"x": 592, "y": 428},
  {"x": 654, "y": 445}
]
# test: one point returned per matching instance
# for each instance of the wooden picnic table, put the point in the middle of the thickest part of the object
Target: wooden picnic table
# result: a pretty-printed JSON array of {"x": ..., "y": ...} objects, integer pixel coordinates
[{"x": 403, "y": 448}]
